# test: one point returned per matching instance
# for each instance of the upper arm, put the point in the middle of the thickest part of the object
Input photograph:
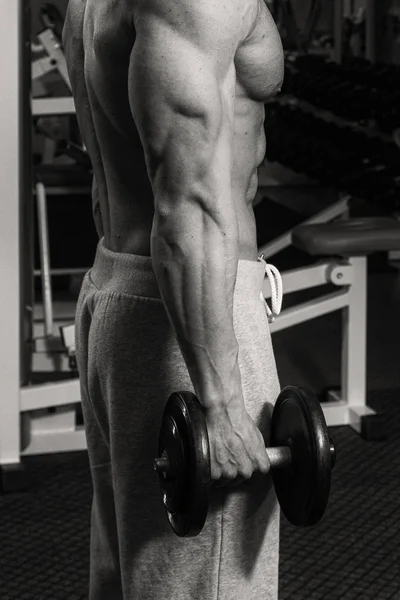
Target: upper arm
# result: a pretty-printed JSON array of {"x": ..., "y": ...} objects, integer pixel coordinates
[{"x": 181, "y": 88}]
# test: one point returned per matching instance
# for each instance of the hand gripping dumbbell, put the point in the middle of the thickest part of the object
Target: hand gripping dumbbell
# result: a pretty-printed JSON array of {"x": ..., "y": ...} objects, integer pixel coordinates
[{"x": 301, "y": 455}]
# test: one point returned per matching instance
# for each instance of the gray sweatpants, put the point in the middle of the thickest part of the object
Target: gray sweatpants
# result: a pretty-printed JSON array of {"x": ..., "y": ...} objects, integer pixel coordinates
[{"x": 129, "y": 363}]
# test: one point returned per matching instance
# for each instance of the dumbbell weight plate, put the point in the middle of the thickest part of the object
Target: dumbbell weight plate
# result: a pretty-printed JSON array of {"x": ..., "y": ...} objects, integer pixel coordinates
[
  {"x": 185, "y": 485},
  {"x": 303, "y": 487}
]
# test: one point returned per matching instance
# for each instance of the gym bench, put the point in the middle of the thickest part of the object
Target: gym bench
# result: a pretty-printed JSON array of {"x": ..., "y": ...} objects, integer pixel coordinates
[
  {"x": 338, "y": 209},
  {"x": 341, "y": 248}
]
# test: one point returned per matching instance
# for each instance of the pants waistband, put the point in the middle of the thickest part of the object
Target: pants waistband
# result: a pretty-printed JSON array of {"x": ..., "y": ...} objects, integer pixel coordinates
[{"x": 134, "y": 275}]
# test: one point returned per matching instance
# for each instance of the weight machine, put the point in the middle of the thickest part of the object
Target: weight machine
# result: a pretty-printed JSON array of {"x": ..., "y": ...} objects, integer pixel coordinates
[
  {"x": 54, "y": 60},
  {"x": 49, "y": 352},
  {"x": 33, "y": 418},
  {"x": 340, "y": 250}
]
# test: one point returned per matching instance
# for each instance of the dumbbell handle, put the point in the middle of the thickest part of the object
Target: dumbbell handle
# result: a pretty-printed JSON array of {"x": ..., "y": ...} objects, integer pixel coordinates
[
  {"x": 281, "y": 456},
  {"x": 278, "y": 457}
]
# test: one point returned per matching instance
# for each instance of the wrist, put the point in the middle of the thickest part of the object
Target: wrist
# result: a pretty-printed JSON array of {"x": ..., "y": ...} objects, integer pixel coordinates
[{"x": 224, "y": 400}]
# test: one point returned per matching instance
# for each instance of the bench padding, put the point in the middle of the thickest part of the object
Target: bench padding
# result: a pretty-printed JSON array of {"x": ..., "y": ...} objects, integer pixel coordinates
[{"x": 354, "y": 237}]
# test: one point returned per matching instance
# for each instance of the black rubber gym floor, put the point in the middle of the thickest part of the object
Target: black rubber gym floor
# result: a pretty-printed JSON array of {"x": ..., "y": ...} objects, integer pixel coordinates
[{"x": 353, "y": 554}]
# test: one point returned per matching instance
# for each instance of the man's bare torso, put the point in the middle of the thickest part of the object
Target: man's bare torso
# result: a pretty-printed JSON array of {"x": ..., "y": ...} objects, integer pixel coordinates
[{"x": 98, "y": 42}]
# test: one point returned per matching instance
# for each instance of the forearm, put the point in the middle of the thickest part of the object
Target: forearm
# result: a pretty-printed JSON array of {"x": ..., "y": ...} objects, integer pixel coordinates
[{"x": 195, "y": 260}]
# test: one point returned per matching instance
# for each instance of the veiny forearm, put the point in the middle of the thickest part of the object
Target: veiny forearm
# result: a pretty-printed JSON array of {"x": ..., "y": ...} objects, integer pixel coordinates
[{"x": 195, "y": 259}]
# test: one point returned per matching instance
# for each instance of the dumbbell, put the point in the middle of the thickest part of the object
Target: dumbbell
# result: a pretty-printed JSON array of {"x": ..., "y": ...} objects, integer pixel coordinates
[{"x": 301, "y": 456}]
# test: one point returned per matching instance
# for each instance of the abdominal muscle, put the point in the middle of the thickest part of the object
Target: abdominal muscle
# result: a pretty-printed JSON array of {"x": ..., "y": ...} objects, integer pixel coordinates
[{"x": 127, "y": 213}]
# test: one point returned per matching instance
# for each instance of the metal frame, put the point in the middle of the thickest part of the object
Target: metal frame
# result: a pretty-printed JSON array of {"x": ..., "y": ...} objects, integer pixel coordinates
[
  {"x": 49, "y": 354},
  {"x": 10, "y": 195},
  {"x": 349, "y": 406},
  {"x": 55, "y": 60},
  {"x": 48, "y": 350},
  {"x": 53, "y": 106},
  {"x": 48, "y": 432},
  {"x": 44, "y": 249}
]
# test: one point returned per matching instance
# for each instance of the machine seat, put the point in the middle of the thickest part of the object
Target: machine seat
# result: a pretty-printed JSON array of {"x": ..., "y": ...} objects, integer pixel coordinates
[{"x": 354, "y": 237}]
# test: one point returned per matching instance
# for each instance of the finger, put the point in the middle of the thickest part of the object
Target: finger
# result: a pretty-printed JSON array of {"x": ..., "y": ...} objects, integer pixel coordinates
[
  {"x": 263, "y": 462},
  {"x": 216, "y": 473},
  {"x": 230, "y": 472},
  {"x": 227, "y": 472},
  {"x": 262, "y": 457}
]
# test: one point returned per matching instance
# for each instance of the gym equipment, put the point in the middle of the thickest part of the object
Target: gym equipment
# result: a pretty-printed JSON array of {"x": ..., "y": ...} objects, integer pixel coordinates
[
  {"x": 352, "y": 161},
  {"x": 340, "y": 249},
  {"x": 51, "y": 45},
  {"x": 67, "y": 333},
  {"x": 36, "y": 418},
  {"x": 357, "y": 89},
  {"x": 301, "y": 456},
  {"x": 54, "y": 177}
]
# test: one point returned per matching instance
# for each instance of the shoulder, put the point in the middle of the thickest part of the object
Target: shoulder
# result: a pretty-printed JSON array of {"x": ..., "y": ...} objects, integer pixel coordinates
[{"x": 208, "y": 19}]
